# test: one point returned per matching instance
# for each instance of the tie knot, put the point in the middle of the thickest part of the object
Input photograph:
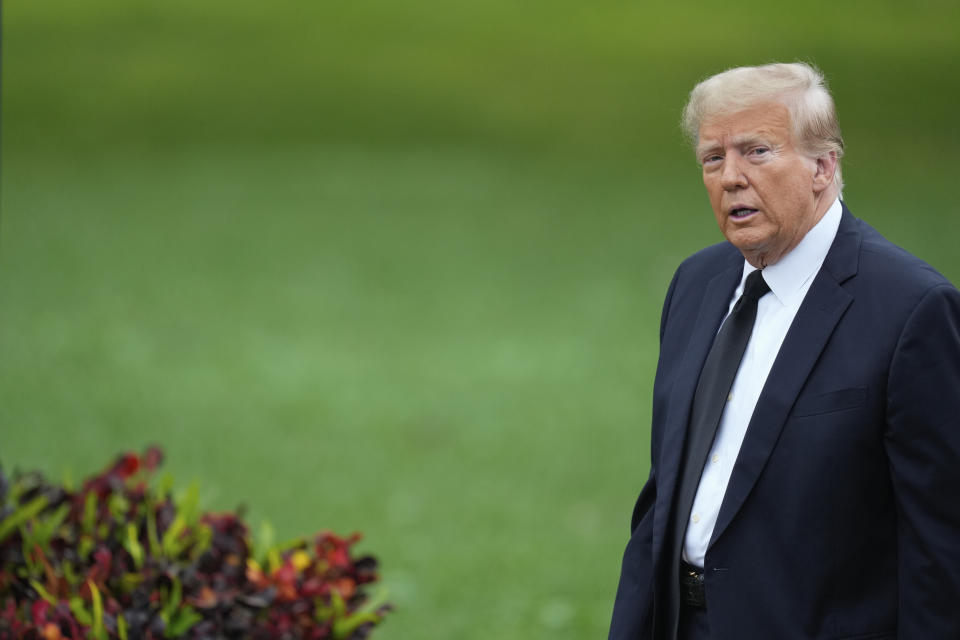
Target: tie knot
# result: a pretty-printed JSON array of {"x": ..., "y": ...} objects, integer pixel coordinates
[{"x": 756, "y": 287}]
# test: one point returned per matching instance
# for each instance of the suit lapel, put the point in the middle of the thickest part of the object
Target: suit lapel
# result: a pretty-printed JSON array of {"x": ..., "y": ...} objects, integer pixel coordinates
[
  {"x": 713, "y": 308},
  {"x": 821, "y": 310}
]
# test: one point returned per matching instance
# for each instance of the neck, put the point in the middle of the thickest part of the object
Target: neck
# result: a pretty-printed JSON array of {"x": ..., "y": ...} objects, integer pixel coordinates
[{"x": 824, "y": 200}]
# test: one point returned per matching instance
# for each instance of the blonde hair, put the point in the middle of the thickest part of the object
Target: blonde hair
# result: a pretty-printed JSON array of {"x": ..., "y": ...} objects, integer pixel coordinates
[{"x": 800, "y": 87}]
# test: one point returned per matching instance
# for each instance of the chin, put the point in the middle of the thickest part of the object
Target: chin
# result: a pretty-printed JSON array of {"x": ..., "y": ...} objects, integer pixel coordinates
[
  {"x": 751, "y": 251},
  {"x": 748, "y": 239},
  {"x": 746, "y": 245}
]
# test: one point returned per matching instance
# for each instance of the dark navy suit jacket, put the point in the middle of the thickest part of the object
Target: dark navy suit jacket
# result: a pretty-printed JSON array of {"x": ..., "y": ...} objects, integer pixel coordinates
[{"x": 842, "y": 515}]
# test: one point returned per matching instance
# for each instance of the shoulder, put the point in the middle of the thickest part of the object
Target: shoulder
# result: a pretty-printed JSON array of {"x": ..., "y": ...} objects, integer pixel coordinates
[
  {"x": 893, "y": 271},
  {"x": 892, "y": 292},
  {"x": 716, "y": 268},
  {"x": 703, "y": 265},
  {"x": 696, "y": 273}
]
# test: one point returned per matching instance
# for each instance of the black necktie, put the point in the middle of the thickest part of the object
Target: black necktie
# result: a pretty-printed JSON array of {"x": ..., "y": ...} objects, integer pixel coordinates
[{"x": 716, "y": 378}]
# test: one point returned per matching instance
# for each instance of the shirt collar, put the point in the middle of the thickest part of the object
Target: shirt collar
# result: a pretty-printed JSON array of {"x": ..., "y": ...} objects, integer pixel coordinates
[{"x": 788, "y": 275}]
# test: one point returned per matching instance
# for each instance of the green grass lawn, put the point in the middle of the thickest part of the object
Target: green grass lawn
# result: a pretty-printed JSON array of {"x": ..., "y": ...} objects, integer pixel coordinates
[
  {"x": 443, "y": 351},
  {"x": 398, "y": 268}
]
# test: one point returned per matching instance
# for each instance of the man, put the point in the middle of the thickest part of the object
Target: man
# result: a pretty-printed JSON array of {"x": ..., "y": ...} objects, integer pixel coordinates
[{"x": 805, "y": 453}]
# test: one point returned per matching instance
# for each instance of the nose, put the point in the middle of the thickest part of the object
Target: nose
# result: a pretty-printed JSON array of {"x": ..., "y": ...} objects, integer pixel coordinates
[{"x": 732, "y": 176}]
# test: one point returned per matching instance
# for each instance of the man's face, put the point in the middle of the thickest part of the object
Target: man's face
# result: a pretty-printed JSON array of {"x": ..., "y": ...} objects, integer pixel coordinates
[{"x": 764, "y": 191}]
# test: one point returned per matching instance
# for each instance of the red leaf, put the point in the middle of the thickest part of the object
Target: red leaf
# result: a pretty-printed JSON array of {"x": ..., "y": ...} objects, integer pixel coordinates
[{"x": 38, "y": 611}]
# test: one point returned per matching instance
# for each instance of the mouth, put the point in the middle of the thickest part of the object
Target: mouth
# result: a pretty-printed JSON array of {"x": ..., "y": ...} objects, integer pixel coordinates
[{"x": 742, "y": 213}]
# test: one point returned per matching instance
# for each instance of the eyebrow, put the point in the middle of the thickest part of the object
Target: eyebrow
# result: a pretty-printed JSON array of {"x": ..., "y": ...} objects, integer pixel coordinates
[{"x": 737, "y": 141}]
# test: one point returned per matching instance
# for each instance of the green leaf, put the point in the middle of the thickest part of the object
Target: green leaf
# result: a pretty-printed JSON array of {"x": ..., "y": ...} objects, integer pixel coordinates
[
  {"x": 118, "y": 505},
  {"x": 79, "y": 609},
  {"x": 174, "y": 597},
  {"x": 264, "y": 541},
  {"x": 343, "y": 628},
  {"x": 170, "y": 543},
  {"x": 321, "y": 612},
  {"x": 347, "y": 624},
  {"x": 40, "y": 589},
  {"x": 130, "y": 581},
  {"x": 121, "y": 627},
  {"x": 181, "y": 622},
  {"x": 16, "y": 490},
  {"x": 165, "y": 485},
  {"x": 85, "y": 546},
  {"x": 69, "y": 573},
  {"x": 97, "y": 630},
  {"x": 376, "y": 599},
  {"x": 188, "y": 504},
  {"x": 336, "y": 610},
  {"x": 68, "y": 480},
  {"x": 33, "y": 555},
  {"x": 21, "y": 515},
  {"x": 202, "y": 541},
  {"x": 45, "y": 528},
  {"x": 33, "y": 568},
  {"x": 133, "y": 547},
  {"x": 177, "y": 619},
  {"x": 274, "y": 561},
  {"x": 339, "y": 606}
]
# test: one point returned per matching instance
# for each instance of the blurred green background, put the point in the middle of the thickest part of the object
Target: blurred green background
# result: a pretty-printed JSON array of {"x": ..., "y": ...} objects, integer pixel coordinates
[{"x": 397, "y": 267}]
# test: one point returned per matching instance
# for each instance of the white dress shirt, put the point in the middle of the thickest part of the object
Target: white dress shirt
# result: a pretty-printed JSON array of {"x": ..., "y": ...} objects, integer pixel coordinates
[{"x": 789, "y": 280}]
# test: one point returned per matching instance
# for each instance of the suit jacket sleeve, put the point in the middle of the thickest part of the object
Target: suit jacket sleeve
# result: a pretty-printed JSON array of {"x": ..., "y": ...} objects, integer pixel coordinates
[
  {"x": 634, "y": 604},
  {"x": 633, "y": 607},
  {"x": 923, "y": 446}
]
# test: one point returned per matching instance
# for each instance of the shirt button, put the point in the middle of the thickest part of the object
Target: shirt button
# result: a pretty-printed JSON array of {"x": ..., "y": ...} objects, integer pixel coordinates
[
  {"x": 716, "y": 457},
  {"x": 696, "y": 518},
  {"x": 729, "y": 397}
]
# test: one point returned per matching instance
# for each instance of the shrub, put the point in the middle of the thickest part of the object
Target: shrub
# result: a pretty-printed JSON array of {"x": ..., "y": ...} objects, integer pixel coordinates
[{"x": 121, "y": 558}]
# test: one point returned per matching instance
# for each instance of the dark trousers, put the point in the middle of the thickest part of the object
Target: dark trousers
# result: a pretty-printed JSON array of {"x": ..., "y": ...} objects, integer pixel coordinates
[{"x": 693, "y": 624}]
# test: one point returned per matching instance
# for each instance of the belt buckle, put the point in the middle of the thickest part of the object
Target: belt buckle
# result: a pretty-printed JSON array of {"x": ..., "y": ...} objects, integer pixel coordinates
[{"x": 692, "y": 587}]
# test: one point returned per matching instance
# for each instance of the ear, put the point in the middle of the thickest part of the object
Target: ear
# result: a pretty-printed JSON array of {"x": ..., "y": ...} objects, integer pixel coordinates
[{"x": 826, "y": 169}]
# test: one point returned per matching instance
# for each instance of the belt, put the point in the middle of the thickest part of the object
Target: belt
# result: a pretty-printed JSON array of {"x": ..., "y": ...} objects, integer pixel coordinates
[{"x": 692, "y": 592}]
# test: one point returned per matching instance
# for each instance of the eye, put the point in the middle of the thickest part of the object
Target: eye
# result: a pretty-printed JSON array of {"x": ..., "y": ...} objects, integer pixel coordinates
[
  {"x": 711, "y": 159},
  {"x": 759, "y": 151}
]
